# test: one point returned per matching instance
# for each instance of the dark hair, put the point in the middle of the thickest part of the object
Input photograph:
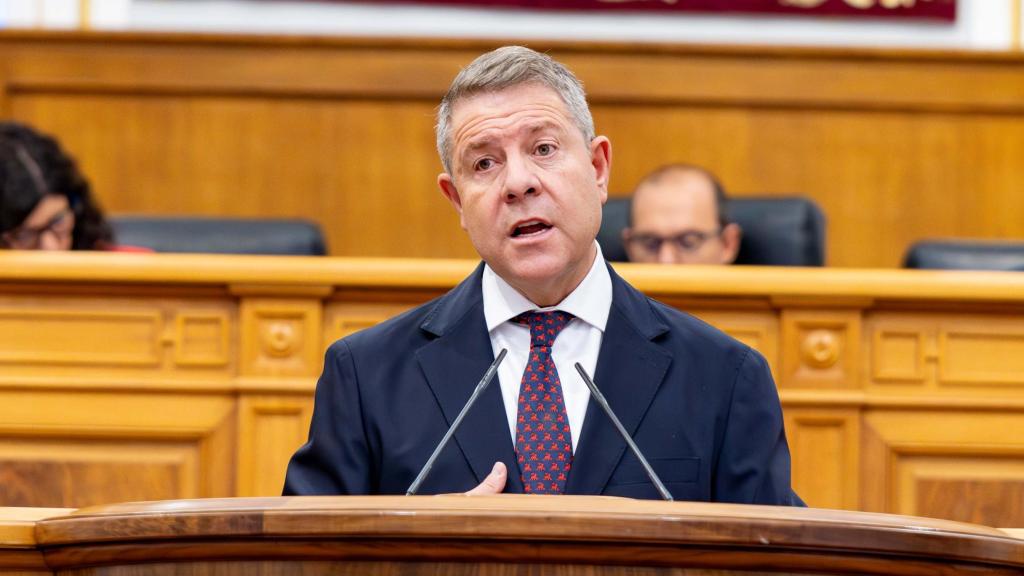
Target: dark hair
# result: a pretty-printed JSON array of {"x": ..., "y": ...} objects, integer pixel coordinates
[
  {"x": 721, "y": 198},
  {"x": 33, "y": 165}
]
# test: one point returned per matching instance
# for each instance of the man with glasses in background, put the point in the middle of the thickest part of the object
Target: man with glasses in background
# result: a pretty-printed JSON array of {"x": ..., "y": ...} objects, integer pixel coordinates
[{"x": 679, "y": 216}]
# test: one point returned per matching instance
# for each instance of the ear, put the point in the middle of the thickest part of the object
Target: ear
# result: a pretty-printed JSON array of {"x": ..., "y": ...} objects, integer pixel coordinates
[
  {"x": 448, "y": 189},
  {"x": 601, "y": 160},
  {"x": 732, "y": 234},
  {"x": 627, "y": 233}
]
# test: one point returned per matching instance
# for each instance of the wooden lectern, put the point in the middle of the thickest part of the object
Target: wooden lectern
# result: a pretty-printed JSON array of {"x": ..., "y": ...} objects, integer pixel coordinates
[{"x": 503, "y": 535}]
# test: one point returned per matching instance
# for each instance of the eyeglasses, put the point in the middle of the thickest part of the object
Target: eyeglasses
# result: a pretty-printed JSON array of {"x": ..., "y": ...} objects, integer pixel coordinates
[
  {"x": 27, "y": 238},
  {"x": 686, "y": 241}
]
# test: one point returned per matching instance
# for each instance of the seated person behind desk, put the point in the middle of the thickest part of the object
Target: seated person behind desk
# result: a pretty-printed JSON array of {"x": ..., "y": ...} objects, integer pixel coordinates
[
  {"x": 45, "y": 202},
  {"x": 527, "y": 176},
  {"x": 679, "y": 216}
]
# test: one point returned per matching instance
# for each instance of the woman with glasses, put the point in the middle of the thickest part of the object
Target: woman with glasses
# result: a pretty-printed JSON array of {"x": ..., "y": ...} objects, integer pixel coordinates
[{"x": 45, "y": 202}]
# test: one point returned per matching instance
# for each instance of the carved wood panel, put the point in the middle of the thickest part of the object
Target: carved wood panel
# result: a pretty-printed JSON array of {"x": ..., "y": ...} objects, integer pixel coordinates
[
  {"x": 825, "y": 449},
  {"x": 270, "y": 429},
  {"x": 959, "y": 465},
  {"x": 76, "y": 472},
  {"x": 121, "y": 337},
  {"x": 77, "y": 448},
  {"x": 281, "y": 337},
  {"x": 963, "y": 355},
  {"x": 759, "y": 330},
  {"x": 821, "y": 349},
  {"x": 344, "y": 318}
]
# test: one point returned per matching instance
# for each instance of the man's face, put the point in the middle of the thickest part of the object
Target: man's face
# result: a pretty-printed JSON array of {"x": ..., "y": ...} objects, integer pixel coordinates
[
  {"x": 675, "y": 221},
  {"x": 527, "y": 187}
]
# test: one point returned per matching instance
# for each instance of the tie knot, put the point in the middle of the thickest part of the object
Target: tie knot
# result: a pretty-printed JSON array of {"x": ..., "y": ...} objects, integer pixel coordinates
[{"x": 544, "y": 326}]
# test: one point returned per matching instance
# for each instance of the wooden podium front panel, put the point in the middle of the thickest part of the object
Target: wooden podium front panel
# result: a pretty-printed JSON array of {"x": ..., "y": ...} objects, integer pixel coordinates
[
  {"x": 948, "y": 354},
  {"x": 271, "y": 428},
  {"x": 86, "y": 447},
  {"x": 962, "y": 465},
  {"x": 163, "y": 376},
  {"x": 98, "y": 335}
]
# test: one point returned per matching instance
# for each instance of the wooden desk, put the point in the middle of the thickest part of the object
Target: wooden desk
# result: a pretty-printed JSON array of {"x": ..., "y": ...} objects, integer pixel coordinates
[
  {"x": 511, "y": 534},
  {"x": 135, "y": 377}
]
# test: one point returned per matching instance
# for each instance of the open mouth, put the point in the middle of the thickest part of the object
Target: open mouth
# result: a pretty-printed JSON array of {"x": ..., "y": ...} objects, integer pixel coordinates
[{"x": 529, "y": 228}]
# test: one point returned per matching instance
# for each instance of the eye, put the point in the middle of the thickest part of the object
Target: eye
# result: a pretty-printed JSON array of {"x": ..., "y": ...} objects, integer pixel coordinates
[
  {"x": 545, "y": 149},
  {"x": 483, "y": 164}
]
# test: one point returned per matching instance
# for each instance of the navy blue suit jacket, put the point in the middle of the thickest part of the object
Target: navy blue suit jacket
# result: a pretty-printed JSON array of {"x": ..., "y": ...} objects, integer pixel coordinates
[{"x": 702, "y": 407}]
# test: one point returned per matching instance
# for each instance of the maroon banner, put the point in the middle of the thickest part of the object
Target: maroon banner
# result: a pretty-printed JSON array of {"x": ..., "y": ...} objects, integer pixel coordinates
[{"x": 944, "y": 10}]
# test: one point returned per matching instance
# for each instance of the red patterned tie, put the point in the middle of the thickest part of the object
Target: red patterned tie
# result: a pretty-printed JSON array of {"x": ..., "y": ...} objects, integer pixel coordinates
[{"x": 543, "y": 439}]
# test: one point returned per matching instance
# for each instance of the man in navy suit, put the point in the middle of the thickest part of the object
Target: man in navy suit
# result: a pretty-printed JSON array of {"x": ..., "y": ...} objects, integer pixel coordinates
[{"x": 528, "y": 176}]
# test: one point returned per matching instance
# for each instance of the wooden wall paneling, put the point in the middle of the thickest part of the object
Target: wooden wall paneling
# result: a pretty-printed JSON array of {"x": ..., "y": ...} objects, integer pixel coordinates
[
  {"x": 889, "y": 142},
  {"x": 203, "y": 338},
  {"x": 270, "y": 430},
  {"x": 858, "y": 354},
  {"x": 78, "y": 448},
  {"x": 982, "y": 352},
  {"x": 821, "y": 349},
  {"x": 964, "y": 355},
  {"x": 344, "y": 318},
  {"x": 757, "y": 329},
  {"x": 883, "y": 179},
  {"x": 903, "y": 351},
  {"x": 281, "y": 337},
  {"x": 825, "y": 446},
  {"x": 116, "y": 338},
  {"x": 962, "y": 465}
]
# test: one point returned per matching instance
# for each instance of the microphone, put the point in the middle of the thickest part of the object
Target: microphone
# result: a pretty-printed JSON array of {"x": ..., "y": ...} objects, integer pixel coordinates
[
  {"x": 488, "y": 376},
  {"x": 625, "y": 435}
]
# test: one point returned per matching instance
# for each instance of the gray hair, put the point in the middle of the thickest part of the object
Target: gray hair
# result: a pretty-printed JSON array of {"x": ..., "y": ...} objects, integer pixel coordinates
[{"x": 504, "y": 68}]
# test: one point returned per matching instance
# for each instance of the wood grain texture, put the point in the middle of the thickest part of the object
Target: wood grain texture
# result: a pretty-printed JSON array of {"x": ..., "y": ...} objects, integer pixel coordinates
[
  {"x": 18, "y": 524},
  {"x": 996, "y": 501},
  {"x": 771, "y": 286},
  {"x": 19, "y": 555},
  {"x": 898, "y": 387},
  {"x": 397, "y": 568},
  {"x": 546, "y": 530},
  {"x": 895, "y": 145}
]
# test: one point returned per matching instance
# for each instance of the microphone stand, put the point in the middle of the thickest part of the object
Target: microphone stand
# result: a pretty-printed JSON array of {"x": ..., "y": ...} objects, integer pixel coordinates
[
  {"x": 488, "y": 376},
  {"x": 665, "y": 494}
]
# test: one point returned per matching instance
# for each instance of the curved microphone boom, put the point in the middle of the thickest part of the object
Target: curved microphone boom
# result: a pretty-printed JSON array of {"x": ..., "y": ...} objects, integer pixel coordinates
[
  {"x": 488, "y": 376},
  {"x": 665, "y": 494}
]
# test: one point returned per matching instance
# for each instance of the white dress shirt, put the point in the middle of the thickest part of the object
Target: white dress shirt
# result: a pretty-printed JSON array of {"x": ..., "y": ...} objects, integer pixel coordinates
[{"x": 579, "y": 341}]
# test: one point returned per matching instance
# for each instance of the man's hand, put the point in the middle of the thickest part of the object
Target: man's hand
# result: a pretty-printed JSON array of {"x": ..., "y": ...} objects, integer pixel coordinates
[{"x": 493, "y": 484}]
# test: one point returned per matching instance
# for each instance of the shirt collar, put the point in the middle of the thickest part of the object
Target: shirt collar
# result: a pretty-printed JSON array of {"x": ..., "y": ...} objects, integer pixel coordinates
[{"x": 591, "y": 301}]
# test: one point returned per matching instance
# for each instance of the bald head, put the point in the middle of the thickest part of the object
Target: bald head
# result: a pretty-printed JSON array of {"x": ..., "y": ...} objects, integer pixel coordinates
[{"x": 678, "y": 217}]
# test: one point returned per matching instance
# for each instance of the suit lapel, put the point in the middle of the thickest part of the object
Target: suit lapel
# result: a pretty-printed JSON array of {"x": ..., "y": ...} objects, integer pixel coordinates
[
  {"x": 630, "y": 369},
  {"x": 453, "y": 364}
]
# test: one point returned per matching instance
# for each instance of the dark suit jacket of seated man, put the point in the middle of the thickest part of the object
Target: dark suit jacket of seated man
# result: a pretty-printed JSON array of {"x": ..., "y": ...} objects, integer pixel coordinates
[{"x": 528, "y": 177}]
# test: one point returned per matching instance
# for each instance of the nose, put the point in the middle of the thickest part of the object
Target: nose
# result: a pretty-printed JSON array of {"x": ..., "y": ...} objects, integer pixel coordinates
[
  {"x": 49, "y": 241},
  {"x": 520, "y": 178},
  {"x": 667, "y": 254}
]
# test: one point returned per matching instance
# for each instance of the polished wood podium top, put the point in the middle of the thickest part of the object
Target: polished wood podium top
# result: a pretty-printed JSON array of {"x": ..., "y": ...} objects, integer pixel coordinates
[
  {"x": 454, "y": 533},
  {"x": 309, "y": 271}
]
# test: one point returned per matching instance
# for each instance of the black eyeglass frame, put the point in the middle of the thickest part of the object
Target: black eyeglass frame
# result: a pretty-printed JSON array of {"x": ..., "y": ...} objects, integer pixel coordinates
[
  {"x": 27, "y": 238},
  {"x": 687, "y": 241}
]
